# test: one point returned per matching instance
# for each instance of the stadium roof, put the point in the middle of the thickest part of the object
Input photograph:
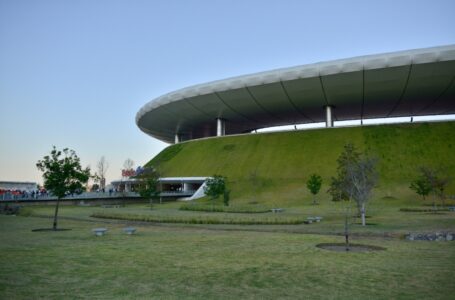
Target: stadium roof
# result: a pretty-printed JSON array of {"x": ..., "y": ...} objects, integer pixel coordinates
[{"x": 406, "y": 83}]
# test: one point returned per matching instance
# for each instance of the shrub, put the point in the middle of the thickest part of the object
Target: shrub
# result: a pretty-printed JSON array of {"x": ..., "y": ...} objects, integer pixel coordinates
[
  {"x": 422, "y": 209},
  {"x": 284, "y": 220},
  {"x": 229, "y": 209}
]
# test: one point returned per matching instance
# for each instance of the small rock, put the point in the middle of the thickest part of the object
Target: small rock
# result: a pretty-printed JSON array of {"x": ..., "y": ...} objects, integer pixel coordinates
[{"x": 449, "y": 237}]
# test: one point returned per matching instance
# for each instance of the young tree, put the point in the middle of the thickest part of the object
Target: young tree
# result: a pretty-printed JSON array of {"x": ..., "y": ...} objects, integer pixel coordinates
[
  {"x": 421, "y": 186},
  {"x": 314, "y": 185},
  {"x": 128, "y": 164},
  {"x": 215, "y": 187},
  {"x": 355, "y": 179},
  {"x": 101, "y": 168},
  {"x": 340, "y": 189},
  {"x": 63, "y": 175},
  {"x": 361, "y": 179},
  {"x": 148, "y": 184},
  {"x": 440, "y": 186},
  {"x": 226, "y": 197},
  {"x": 438, "y": 182}
]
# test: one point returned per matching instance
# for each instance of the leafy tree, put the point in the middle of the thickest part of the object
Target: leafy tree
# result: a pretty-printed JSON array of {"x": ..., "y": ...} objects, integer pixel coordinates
[
  {"x": 215, "y": 187},
  {"x": 314, "y": 185},
  {"x": 95, "y": 187},
  {"x": 148, "y": 184},
  {"x": 437, "y": 180},
  {"x": 339, "y": 186},
  {"x": 421, "y": 186},
  {"x": 63, "y": 175}
]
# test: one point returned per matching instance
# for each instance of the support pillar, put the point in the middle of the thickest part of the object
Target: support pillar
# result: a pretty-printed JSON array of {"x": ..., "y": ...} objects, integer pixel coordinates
[
  {"x": 328, "y": 116},
  {"x": 220, "y": 127},
  {"x": 186, "y": 187}
]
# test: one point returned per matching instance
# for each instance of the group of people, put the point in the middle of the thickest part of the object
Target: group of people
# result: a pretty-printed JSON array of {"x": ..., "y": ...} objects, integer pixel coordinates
[{"x": 22, "y": 194}]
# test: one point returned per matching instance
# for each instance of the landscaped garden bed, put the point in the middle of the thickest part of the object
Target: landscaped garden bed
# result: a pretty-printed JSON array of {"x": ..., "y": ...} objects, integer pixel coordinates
[
  {"x": 239, "y": 220},
  {"x": 223, "y": 208}
]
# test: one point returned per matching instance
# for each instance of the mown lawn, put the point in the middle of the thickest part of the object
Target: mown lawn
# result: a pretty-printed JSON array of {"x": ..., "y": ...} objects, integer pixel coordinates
[
  {"x": 196, "y": 263},
  {"x": 384, "y": 217}
]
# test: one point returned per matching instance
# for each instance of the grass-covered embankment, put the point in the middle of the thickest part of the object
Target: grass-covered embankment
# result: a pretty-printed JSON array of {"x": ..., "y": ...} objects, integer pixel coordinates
[{"x": 272, "y": 168}]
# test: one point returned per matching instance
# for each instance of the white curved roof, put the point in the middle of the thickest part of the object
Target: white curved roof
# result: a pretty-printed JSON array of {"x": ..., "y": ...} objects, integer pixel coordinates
[{"x": 413, "y": 82}]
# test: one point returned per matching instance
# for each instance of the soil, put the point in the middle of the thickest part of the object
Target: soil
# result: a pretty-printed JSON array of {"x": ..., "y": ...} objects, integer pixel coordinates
[
  {"x": 341, "y": 247},
  {"x": 50, "y": 229}
]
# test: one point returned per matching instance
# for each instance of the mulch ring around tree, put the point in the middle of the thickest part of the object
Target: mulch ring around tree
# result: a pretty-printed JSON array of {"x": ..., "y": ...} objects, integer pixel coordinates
[
  {"x": 50, "y": 229},
  {"x": 341, "y": 247}
]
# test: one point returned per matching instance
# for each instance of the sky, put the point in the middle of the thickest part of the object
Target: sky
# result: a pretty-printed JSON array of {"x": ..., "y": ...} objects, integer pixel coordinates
[{"x": 75, "y": 73}]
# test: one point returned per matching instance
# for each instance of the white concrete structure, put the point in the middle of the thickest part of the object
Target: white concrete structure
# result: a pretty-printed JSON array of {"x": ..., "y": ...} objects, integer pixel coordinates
[
  {"x": 186, "y": 188},
  {"x": 18, "y": 185},
  {"x": 406, "y": 83}
]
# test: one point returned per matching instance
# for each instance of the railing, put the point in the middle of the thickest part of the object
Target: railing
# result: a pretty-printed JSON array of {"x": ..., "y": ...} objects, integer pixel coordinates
[
  {"x": 88, "y": 195},
  {"x": 45, "y": 197},
  {"x": 177, "y": 193}
]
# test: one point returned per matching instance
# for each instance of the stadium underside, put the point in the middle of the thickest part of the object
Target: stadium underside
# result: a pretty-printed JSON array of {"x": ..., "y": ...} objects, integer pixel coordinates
[{"x": 408, "y": 83}]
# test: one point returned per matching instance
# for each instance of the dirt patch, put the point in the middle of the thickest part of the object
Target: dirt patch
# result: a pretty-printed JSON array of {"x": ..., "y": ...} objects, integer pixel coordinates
[
  {"x": 341, "y": 247},
  {"x": 50, "y": 229}
]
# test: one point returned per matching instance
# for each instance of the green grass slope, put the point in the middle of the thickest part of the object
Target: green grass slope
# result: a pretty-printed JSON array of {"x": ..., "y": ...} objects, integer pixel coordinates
[{"x": 282, "y": 162}]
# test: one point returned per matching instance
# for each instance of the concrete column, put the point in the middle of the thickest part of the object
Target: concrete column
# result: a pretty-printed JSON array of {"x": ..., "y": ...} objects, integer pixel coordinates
[
  {"x": 328, "y": 116},
  {"x": 220, "y": 127},
  {"x": 177, "y": 138}
]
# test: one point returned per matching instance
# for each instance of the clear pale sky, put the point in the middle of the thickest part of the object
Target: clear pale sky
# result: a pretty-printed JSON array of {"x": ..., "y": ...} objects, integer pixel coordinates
[{"x": 74, "y": 73}]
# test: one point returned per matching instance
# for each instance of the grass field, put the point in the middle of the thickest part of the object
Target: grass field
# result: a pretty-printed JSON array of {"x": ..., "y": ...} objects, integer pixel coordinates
[
  {"x": 195, "y": 263},
  {"x": 384, "y": 214},
  {"x": 245, "y": 252}
]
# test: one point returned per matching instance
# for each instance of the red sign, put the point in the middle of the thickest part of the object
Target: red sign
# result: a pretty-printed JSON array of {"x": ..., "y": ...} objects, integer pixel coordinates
[{"x": 128, "y": 173}]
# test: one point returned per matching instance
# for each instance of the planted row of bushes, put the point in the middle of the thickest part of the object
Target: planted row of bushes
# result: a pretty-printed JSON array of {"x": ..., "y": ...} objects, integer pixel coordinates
[
  {"x": 223, "y": 208},
  {"x": 416, "y": 209},
  {"x": 283, "y": 220}
]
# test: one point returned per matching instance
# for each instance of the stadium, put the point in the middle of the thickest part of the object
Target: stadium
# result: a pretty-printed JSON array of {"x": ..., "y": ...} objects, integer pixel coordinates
[{"x": 407, "y": 83}]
